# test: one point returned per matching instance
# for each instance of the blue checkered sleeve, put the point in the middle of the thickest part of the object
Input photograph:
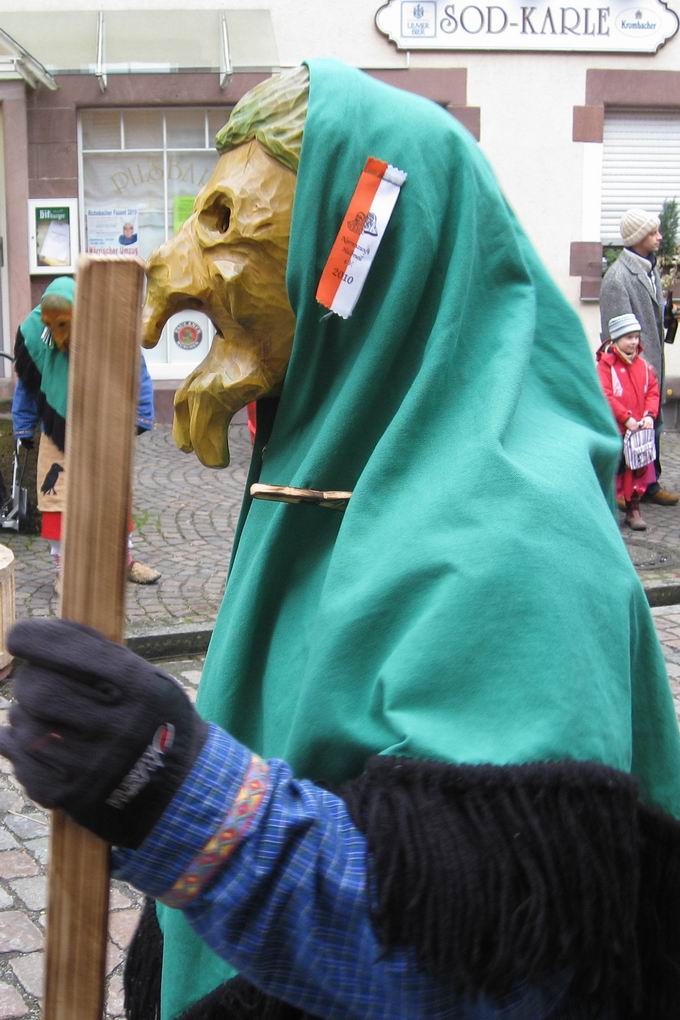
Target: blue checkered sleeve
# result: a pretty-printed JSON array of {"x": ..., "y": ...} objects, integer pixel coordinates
[{"x": 290, "y": 907}]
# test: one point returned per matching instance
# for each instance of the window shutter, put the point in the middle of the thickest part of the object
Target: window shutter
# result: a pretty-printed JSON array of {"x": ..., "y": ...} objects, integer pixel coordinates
[{"x": 641, "y": 164}]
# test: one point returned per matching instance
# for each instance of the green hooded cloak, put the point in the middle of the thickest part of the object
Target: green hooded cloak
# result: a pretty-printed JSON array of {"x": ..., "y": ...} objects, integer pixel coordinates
[
  {"x": 43, "y": 369},
  {"x": 475, "y": 603}
]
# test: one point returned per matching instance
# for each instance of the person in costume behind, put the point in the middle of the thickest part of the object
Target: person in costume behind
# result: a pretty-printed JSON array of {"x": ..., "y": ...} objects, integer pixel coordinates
[
  {"x": 40, "y": 396},
  {"x": 632, "y": 391},
  {"x": 436, "y": 770}
]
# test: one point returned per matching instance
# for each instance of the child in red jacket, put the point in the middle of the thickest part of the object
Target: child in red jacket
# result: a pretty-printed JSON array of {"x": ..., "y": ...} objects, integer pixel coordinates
[{"x": 631, "y": 387}]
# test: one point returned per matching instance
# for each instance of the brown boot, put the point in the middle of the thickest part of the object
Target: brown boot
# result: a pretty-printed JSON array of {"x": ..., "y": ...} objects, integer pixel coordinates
[
  {"x": 662, "y": 497},
  {"x": 632, "y": 518}
]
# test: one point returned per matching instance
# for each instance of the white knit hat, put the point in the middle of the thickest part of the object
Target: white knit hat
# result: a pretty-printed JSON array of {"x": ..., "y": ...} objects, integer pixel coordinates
[
  {"x": 620, "y": 325},
  {"x": 636, "y": 224}
]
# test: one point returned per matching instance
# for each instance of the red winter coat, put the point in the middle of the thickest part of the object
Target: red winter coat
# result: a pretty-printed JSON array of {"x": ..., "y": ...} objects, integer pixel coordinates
[{"x": 631, "y": 388}]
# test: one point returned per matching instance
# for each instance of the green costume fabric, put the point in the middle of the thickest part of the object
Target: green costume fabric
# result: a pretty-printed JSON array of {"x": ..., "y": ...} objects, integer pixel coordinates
[
  {"x": 49, "y": 361},
  {"x": 475, "y": 603}
]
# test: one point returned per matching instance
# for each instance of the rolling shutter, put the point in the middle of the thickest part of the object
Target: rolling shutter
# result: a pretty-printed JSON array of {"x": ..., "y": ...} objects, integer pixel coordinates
[{"x": 641, "y": 164}]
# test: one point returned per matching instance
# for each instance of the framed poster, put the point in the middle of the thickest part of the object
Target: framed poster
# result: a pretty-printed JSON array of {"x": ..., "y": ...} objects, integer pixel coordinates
[
  {"x": 112, "y": 229},
  {"x": 52, "y": 235}
]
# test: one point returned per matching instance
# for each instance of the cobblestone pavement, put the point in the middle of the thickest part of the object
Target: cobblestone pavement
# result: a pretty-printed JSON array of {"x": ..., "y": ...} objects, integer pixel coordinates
[
  {"x": 667, "y": 619},
  {"x": 185, "y": 515},
  {"x": 656, "y": 552}
]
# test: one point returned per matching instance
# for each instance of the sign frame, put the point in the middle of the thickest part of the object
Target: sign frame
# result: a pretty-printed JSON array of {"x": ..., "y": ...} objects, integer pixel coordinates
[
  {"x": 526, "y": 26},
  {"x": 65, "y": 236}
]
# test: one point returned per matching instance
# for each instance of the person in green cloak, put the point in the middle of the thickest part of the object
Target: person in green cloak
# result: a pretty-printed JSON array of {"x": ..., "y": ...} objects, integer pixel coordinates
[
  {"x": 41, "y": 361},
  {"x": 436, "y": 770}
]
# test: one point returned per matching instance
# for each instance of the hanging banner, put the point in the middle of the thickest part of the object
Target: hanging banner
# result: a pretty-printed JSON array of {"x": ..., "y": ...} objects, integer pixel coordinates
[
  {"x": 112, "y": 230},
  {"x": 575, "y": 26}
]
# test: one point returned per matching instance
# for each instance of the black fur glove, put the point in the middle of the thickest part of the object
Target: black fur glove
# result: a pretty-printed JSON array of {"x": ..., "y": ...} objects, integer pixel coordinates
[{"x": 96, "y": 730}]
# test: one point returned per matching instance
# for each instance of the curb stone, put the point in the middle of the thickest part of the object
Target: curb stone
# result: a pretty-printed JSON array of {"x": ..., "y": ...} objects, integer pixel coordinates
[
  {"x": 171, "y": 642},
  {"x": 663, "y": 594}
]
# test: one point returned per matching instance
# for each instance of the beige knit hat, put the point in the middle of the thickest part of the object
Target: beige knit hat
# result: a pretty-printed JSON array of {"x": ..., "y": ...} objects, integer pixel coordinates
[{"x": 636, "y": 224}]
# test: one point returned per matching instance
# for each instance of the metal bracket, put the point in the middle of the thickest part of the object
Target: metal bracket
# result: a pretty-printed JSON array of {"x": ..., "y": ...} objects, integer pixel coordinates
[
  {"x": 227, "y": 68},
  {"x": 100, "y": 72}
]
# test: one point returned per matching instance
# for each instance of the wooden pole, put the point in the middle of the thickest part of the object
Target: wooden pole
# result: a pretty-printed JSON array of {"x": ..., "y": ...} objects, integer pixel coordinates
[{"x": 103, "y": 393}]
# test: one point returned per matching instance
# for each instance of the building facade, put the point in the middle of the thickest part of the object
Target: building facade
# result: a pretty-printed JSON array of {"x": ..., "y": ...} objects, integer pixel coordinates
[{"x": 107, "y": 117}]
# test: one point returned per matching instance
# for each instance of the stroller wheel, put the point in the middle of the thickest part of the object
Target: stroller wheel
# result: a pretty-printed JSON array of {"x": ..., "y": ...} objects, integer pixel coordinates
[{"x": 22, "y": 508}]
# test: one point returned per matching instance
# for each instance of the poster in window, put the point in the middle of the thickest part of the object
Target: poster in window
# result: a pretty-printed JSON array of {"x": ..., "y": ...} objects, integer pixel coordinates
[
  {"x": 112, "y": 230},
  {"x": 182, "y": 208},
  {"x": 53, "y": 235}
]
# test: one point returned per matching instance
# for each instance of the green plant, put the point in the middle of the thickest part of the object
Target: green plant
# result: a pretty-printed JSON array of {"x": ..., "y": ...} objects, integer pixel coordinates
[
  {"x": 669, "y": 225},
  {"x": 610, "y": 253}
]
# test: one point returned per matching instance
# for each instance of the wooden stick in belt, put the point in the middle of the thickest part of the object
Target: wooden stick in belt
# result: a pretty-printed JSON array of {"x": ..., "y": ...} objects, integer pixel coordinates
[
  {"x": 333, "y": 498},
  {"x": 103, "y": 393}
]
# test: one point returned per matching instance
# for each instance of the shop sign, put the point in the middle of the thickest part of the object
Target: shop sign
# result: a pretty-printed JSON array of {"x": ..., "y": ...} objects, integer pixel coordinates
[{"x": 569, "y": 26}]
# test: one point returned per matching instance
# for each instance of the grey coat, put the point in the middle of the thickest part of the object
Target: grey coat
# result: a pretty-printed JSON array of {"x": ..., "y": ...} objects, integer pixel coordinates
[{"x": 626, "y": 287}]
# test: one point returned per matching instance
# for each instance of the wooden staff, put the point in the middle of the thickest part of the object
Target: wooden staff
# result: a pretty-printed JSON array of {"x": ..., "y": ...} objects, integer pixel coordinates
[{"x": 103, "y": 393}]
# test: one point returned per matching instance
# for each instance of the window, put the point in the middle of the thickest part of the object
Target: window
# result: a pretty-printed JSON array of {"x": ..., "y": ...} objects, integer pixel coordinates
[
  {"x": 145, "y": 166},
  {"x": 140, "y": 171},
  {"x": 641, "y": 164}
]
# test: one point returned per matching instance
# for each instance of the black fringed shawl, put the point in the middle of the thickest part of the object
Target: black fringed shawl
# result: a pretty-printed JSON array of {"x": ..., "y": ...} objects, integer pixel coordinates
[{"x": 500, "y": 876}]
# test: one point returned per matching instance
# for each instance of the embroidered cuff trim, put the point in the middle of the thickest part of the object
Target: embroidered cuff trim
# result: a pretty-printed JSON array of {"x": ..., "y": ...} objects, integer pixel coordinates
[{"x": 222, "y": 844}]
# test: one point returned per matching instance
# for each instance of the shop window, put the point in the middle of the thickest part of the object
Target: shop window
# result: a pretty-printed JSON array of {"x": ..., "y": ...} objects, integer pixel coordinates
[
  {"x": 216, "y": 121},
  {"x": 143, "y": 129},
  {"x": 185, "y": 129},
  {"x": 146, "y": 166},
  {"x": 140, "y": 171},
  {"x": 101, "y": 129}
]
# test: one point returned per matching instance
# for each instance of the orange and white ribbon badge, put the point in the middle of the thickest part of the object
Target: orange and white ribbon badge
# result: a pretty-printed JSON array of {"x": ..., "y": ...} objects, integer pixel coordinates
[{"x": 362, "y": 230}]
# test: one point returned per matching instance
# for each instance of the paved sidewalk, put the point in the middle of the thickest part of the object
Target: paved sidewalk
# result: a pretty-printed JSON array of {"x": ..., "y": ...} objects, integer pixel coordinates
[
  {"x": 667, "y": 620},
  {"x": 656, "y": 552},
  {"x": 23, "y": 867},
  {"x": 185, "y": 516}
]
